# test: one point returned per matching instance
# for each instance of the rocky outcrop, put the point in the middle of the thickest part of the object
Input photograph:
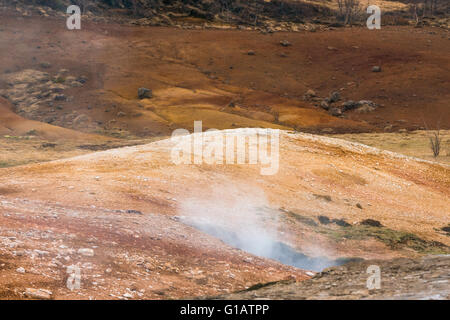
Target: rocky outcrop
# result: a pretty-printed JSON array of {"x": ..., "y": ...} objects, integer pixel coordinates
[{"x": 425, "y": 278}]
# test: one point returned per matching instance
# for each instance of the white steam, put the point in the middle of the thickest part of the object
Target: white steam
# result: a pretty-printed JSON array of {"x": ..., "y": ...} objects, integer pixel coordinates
[{"x": 242, "y": 218}]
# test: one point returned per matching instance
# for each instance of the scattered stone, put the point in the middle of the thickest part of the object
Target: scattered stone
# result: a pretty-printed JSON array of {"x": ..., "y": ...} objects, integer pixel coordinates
[
  {"x": 82, "y": 79},
  {"x": 323, "y": 197},
  {"x": 86, "y": 252},
  {"x": 324, "y": 105},
  {"x": 350, "y": 105},
  {"x": 121, "y": 114},
  {"x": 335, "y": 112},
  {"x": 376, "y": 69},
  {"x": 144, "y": 93},
  {"x": 38, "y": 293},
  {"x": 358, "y": 205},
  {"x": 324, "y": 220},
  {"x": 446, "y": 229},
  {"x": 20, "y": 270},
  {"x": 48, "y": 145},
  {"x": 134, "y": 212},
  {"x": 310, "y": 94},
  {"x": 341, "y": 222},
  {"x": 45, "y": 65},
  {"x": 334, "y": 97},
  {"x": 388, "y": 127},
  {"x": 365, "y": 109},
  {"x": 285, "y": 43},
  {"x": 59, "y": 97},
  {"x": 372, "y": 223},
  {"x": 251, "y": 53}
]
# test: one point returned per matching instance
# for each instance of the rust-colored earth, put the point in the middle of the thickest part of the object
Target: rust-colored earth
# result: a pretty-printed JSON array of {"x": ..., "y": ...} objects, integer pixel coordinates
[
  {"x": 129, "y": 209},
  {"x": 195, "y": 74}
]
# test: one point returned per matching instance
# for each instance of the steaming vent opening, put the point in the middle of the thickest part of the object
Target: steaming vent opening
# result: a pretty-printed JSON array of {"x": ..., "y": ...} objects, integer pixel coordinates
[{"x": 260, "y": 243}]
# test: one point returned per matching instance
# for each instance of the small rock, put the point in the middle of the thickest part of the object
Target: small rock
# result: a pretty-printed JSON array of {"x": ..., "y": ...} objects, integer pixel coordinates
[
  {"x": 20, "y": 270},
  {"x": 38, "y": 293},
  {"x": 376, "y": 69},
  {"x": 251, "y": 53},
  {"x": 341, "y": 222},
  {"x": 45, "y": 65},
  {"x": 310, "y": 94},
  {"x": 82, "y": 79},
  {"x": 350, "y": 105},
  {"x": 134, "y": 212},
  {"x": 334, "y": 97},
  {"x": 144, "y": 93},
  {"x": 324, "y": 105},
  {"x": 60, "y": 97},
  {"x": 365, "y": 109},
  {"x": 324, "y": 220},
  {"x": 335, "y": 112},
  {"x": 285, "y": 43},
  {"x": 86, "y": 252},
  {"x": 372, "y": 223}
]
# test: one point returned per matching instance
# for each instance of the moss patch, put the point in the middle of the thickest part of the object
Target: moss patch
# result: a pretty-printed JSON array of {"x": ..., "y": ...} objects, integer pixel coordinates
[{"x": 394, "y": 239}]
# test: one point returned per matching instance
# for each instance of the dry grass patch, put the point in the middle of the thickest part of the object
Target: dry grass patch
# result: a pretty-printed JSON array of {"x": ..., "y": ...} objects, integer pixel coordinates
[{"x": 414, "y": 143}]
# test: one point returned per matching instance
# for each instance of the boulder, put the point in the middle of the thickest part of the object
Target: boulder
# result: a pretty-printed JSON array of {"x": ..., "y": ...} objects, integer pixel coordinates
[
  {"x": 310, "y": 94},
  {"x": 144, "y": 93},
  {"x": 334, "y": 97},
  {"x": 371, "y": 223},
  {"x": 324, "y": 105},
  {"x": 350, "y": 105},
  {"x": 335, "y": 112}
]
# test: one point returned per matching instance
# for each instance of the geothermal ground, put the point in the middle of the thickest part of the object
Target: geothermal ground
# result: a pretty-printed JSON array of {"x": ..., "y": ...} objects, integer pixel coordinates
[
  {"x": 123, "y": 215},
  {"x": 137, "y": 226}
]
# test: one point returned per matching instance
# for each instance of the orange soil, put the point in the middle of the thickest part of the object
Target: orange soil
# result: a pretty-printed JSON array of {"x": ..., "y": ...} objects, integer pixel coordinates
[{"x": 196, "y": 73}]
